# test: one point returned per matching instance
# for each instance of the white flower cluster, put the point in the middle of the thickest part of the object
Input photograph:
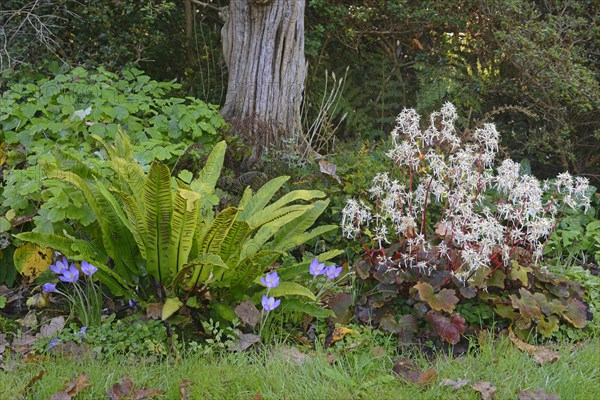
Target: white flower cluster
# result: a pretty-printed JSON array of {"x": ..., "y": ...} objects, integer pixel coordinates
[{"x": 482, "y": 214}]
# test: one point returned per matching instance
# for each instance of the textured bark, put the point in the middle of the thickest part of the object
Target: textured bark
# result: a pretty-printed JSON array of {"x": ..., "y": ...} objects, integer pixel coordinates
[{"x": 263, "y": 48}]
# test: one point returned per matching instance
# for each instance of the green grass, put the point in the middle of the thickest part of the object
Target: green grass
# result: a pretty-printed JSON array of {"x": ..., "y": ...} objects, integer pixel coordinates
[{"x": 358, "y": 374}]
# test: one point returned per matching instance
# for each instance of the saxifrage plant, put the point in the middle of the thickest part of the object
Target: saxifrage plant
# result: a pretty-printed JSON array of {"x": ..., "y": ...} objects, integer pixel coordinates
[{"x": 485, "y": 245}]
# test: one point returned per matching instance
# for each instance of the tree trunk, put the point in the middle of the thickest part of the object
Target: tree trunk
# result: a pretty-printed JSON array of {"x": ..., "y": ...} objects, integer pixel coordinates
[{"x": 263, "y": 48}]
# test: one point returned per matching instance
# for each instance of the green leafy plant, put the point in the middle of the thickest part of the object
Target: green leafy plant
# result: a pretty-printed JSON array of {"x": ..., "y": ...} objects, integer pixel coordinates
[
  {"x": 486, "y": 245},
  {"x": 54, "y": 121},
  {"x": 171, "y": 236},
  {"x": 115, "y": 336}
]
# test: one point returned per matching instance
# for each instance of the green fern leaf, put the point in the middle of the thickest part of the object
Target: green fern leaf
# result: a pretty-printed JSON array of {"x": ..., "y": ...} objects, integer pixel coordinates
[
  {"x": 183, "y": 226},
  {"x": 159, "y": 209}
]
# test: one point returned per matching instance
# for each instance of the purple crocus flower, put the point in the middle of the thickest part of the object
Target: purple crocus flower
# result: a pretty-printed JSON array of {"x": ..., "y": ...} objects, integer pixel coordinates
[
  {"x": 82, "y": 331},
  {"x": 59, "y": 266},
  {"x": 317, "y": 268},
  {"x": 49, "y": 287},
  {"x": 70, "y": 275},
  {"x": 333, "y": 272},
  {"x": 88, "y": 268},
  {"x": 53, "y": 343},
  {"x": 269, "y": 303},
  {"x": 270, "y": 280}
]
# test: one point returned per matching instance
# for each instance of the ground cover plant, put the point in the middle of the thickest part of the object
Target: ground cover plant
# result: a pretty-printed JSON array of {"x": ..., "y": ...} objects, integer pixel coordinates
[
  {"x": 118, "y": 255},
  {"x": 445, "y": 230}
]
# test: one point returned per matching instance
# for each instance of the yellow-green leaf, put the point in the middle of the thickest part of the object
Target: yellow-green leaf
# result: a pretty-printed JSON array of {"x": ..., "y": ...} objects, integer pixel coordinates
[
  {"x": 170, "y": 307},
  {"x": 445, "y": 300},
  {"x": 31, "y": 260}
]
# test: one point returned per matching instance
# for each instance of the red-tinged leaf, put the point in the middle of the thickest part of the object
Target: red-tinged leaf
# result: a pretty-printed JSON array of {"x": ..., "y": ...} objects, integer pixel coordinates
[
  {"x": 341, "y": 305},
  {"x": 527, "y": 304},
  {"x": 444, "y": 300},
  {"x": 449, "y": 328},
  {"x": 32, "y": 382},
  {"x": 184, "y": 393},
  {"x": 126, "y": 390},
  {"x": 538, "y": 394},
  {"x": 486, "y": 389},
  {"x": 72, "y": 388},
  {"x": 407, "y": 370},
  {"x": 406, "y": 327},
  {"x": 257, "y": 397},
  {"x": 576, "y": 313}
]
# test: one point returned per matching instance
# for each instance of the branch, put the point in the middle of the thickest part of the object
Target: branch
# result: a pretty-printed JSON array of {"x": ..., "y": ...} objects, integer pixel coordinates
[{"x": 206, "y": 5}]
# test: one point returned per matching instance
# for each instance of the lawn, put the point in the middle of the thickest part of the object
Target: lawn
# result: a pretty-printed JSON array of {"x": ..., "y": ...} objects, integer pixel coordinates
[{"x": 279, "y": 373}]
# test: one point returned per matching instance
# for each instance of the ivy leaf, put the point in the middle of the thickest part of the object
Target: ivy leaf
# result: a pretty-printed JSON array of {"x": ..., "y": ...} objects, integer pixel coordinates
[
  {"x": 449, "y": 328},
  {"x": 445, "y": 300}
]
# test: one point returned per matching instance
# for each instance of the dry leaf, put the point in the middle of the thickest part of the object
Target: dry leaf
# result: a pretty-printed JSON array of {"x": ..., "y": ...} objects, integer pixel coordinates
[
  {"x": 184, "y": 393},
  {"x": 407, "y": 369},
  {"x": 72, "y": 388},
  {"x": 294, "y": 355},
  {"x": 257, "y": 397},
  {"x": 154, "y": 310},
  {"x": 544, "y": 355},
  {"x": 32, "y": 381},
  {"x": 541, "y": 355},
  {"x": 340, "y": 332},
  {"x": 248, "y": 313},
  {"x": 455, "y": 384},
  {"x": 486, "y": 390},
  {"x": 329, "y": 168},
  {"x": 538, "y": 394},
  {"x": 126, "y": 390},
  {"x": 53, "y": 326},
  {"x": 245, "y": 341}
]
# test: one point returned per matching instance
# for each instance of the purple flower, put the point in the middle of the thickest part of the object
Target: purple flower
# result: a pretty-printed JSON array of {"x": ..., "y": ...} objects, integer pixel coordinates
[
  {"x": 59, "y": 266},
  {"x": 333, "y": 272},
  {"x": 53, "y": 343},
  {"x": 269, "y": 303},
  {"x": 316, "y": 268},
  {"x": 270, "y": 280},
  {"x": 134, "y": 304},
  {"x": 82, "y": 331},
  {"x": 69, "y": 275},
  {"x": 49, "y": 287},
  {"x": 88, "y": 268}
]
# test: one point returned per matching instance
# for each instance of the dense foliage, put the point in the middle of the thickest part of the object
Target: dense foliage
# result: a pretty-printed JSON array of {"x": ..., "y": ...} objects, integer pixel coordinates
[{"x": 119, "y": 193}]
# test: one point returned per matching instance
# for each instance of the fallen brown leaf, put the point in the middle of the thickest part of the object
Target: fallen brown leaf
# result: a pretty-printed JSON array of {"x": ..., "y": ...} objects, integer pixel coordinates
[
  {"x": 455, "y": 384},
  {"x": 294, "y": 355},
  {"x": 245, "y": 341},
  {"x": 257, "y": 397},
  {"x": 541, "y": 355},
  {"x": 248, "y": 313},
  {"x": 486, "y": 389},
  {"x": 72, "y": 388},
  {"x": 538, "y": 394},
  {"x": 184, "y": 393},
  {"x": 126, "y": 390},
  {"x": 51, "y": 327},
  {"x": 32, "y": 382},
  {"x": 408, "y": 370},
  {"x": 154, "y": 310}
]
